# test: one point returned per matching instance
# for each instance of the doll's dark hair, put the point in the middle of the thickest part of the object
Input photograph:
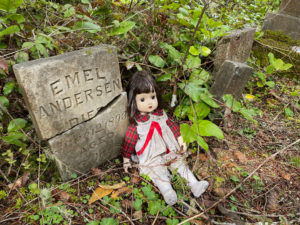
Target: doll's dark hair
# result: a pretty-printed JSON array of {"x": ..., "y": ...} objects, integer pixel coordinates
[{"x": 140, "y": 82}]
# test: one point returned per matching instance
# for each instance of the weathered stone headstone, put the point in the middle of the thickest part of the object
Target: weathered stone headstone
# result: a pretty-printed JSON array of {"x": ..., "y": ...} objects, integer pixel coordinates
[
  {"x": 231, "y": 79},
  {"x": 76, "y": 103},
  {"x": 290, "y": 7},
  {"x": 286, "y": 20},
  {"x": 65, "y": 90},
  {"x": 289, "y": 25},
  {"x": 236, "y": 47},
  {"x": 91, "y": 143}
]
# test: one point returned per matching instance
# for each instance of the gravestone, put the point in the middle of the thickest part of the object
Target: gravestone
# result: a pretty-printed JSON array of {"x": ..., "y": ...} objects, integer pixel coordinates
[
  {"x": 76, "y": 103},
  {"x": 236, "y": 47},
  {"x": 231, "y": 79},
  {"x": 91, "y": 143},
  {"x": 65, "y": 90},
  {"x": 290, "y": 7},
  {"x": 286, "y": 20}
]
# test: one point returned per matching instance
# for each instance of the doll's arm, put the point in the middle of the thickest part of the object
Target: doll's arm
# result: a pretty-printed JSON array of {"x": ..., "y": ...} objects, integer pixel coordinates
[
  {"x": 176, "y": 131},
  {"x": 181, "y": 143},
  {"x": 129, "y": 143},
  {"x": 126, "y": 164}
]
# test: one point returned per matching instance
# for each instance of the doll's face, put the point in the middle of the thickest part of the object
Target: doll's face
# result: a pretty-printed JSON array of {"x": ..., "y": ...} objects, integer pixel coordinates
[{"x": 146, "y": 102}]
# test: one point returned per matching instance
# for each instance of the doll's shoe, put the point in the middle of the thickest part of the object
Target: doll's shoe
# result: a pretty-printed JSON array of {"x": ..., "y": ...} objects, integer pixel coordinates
[
  {"x": 170, "y": 197},
  {"x": 199, "y": 187}
]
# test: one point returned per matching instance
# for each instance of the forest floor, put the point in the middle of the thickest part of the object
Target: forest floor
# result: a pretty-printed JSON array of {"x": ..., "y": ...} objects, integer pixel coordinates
[{"x": 254, "y": 176}]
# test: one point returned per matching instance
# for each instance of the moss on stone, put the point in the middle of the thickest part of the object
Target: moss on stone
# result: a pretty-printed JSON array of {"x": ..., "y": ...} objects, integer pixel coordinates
[{"x": 281, "y": 46}]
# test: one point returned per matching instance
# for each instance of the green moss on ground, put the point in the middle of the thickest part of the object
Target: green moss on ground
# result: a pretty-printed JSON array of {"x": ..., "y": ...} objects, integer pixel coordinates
[{"x": 281, "y": 46}]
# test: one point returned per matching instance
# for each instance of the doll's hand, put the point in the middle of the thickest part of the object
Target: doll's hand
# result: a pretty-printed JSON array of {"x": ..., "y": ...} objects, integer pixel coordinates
[
  {"x": 126, "y": 164},
  {"x": 182, "y": 144}
]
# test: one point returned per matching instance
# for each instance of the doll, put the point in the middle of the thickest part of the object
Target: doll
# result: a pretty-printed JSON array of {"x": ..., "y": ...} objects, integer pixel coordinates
[{"x": 155, "y": 140}]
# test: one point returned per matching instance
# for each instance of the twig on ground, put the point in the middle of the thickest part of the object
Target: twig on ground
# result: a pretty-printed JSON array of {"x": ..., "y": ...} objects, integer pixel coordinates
[{"x": 156, "y": 217}]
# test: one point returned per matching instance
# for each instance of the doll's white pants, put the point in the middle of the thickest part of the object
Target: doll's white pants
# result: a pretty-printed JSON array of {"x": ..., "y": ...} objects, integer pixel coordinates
[{"x": 157, "y": 170}]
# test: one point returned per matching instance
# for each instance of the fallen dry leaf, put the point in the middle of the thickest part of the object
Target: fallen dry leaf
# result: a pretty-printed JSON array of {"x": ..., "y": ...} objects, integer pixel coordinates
[
  {"x": 99, "y": 193},
  {"x": 115, "y": 186},
  {"x": 240, "y": 156},
  {"x": 97, "y": 172},
  {"x": 137, "y": 215},
  {"x": 61, "y": 195},
  {"x": 202, "y": 157},
  {"x": 286, "y": 176},
  {"x": 231, "y": 165},
  {"x": 20, "y": 182},
  {"x": 3, "y": 65},
  {"x": 272, "y": 201},
  {"x": 221, "y": 191},
  {"x": 199, "y": 222},
  {"x": 122, "y": 190}
]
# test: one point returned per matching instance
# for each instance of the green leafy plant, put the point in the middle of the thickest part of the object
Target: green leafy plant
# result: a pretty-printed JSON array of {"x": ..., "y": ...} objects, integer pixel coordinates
[
  {"x": 276, "y": 65},
  {"x": 236, "y": 106}
]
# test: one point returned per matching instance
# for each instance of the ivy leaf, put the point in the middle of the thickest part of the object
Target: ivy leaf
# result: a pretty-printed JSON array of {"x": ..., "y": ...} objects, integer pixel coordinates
[
  {"x": 164, "y": 77},
  {"x": 205, "y": 51},
  {"x": 172, "y": 52},
  {"x": 237, "y": 106},
  {"x": 207, "y": 128},
  {"x": 15, "y": 17},
  {"x": 137, "y": 204},
  {"x": 187, "y": 133},
  {"x": 228, "y": 100},
  {"x": 270, "y": 69},
  {"x": 271, "y": 84},
  {"x": 248, "y": 114},
  {"x": 193, "y": 89},
  {"x": 154, "y": 207},
  {"x": 286, "y": 66},
  {"x": 10, "y": 30},
  {"x": 9, "y": 87},
  {"x": 4, "y": 101},
  {"x": 192, "y": 62},
  {"x": 172, "y": 221},
  {"x": 13, "y": 138},
  {"x": 87, "y": 26},
  {"x": 194, "y": 51},
  {"x": 271, "y": 58},
  {"x": 157, "y": 60},
  {"x": 16, "y": 124},
  {"x": 10, "y": 5},
  {"x": 278, "y": 64},
  {"x": 288, "y": 112},
  {"x": 201, "y": 109},
  {"x": 207, "y": 98},
  {"x": 109, "y": 221},
  {"x": 21, "y": 57},
  {"x": 123, "y": 28},
  {"x": 202, "y": 143},
  {"x": 149, "y": 193}
]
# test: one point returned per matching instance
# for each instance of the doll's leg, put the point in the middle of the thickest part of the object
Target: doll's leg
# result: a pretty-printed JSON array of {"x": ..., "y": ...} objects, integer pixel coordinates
[
  {"x": 197, "y": 187},
  {"x": 160, "y": 176}
]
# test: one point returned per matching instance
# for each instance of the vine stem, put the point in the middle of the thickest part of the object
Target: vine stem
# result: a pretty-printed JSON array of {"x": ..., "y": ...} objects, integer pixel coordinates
[
  {"x": 187, "y": 52},
  {"x": 240, "y": 184}
]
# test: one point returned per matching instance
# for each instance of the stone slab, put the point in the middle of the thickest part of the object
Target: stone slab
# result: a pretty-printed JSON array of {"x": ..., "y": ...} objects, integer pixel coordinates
[
  {"x": 290, "y": 7},
  {"x": 231, "y": 79},
  {"x": 236, "y": 47},
  {"x": 93, "y": 142},
  {"x": 289, "y": 25},
  {"x": 63, "y": 91}
]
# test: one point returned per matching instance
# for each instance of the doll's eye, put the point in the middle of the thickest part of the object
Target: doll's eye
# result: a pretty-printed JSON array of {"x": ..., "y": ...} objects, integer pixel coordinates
[
  {"x": 153, "y": 97},
  {"x": 142, "y": 99}
]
